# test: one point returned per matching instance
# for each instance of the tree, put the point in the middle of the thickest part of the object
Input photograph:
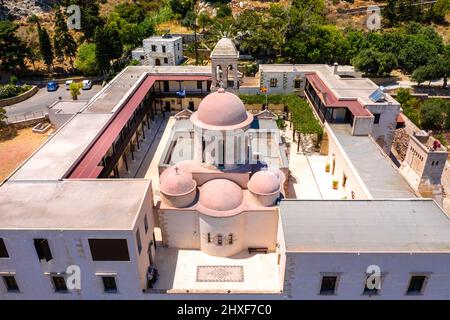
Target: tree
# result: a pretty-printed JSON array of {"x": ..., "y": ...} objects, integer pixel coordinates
[
  {"x": 375, "y": 63},
  {"x": 63, "y": 42},
  {"x": 13, "y": 50},
  {"x": 90, "y": 16},
  {"x": 45, "y": 46},
  {"x": 75, "y": 88},
  {"x": 390, "y": 12},
  {"x": 86, "y": 60},
  {"x": 424, "y": 73},
  {"x": 223, "y": 11},
  {"x": 108, "y": 47},
  {"x": 433, "y": 114},
  {"x": 181, "y": 7},
  {"x": 204, "y": 20},
  {"x": 439, "y": 10},
  {"x": 416, "y": 53}
]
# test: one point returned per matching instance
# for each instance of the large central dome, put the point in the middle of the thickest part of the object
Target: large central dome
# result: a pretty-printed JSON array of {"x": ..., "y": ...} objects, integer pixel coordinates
[{"x": 221, "y": 109}]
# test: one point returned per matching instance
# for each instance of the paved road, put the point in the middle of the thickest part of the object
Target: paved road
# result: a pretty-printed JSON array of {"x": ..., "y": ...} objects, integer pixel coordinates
[{"x": 38, "y": 103}]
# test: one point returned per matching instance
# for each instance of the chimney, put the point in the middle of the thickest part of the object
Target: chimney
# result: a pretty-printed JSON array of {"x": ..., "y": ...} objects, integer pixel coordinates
[{"x": 335, "y": 67}]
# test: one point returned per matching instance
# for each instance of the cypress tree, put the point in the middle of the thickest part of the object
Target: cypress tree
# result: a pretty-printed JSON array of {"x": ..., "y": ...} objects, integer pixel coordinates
[
  {"x": 45, "y": 46},
  {"x": 63, "y": 42}
]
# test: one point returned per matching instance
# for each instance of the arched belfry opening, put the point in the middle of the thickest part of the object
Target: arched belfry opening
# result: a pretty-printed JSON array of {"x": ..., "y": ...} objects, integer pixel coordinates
[{"x": 224, "y": 60}]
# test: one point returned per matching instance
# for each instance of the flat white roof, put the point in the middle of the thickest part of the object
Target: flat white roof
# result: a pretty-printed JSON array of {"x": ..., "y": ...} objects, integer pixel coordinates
[
  {"x": 342, "y": 87},
  {"x": 58, "y": 154},
  {"x": 377, "y": 171},
  {"x": 96, "y": 204},
  {"x": 415, "y": 225}
]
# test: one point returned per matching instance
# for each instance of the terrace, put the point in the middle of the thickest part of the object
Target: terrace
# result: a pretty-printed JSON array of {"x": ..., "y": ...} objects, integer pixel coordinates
[{"x": 192, "y": 271}]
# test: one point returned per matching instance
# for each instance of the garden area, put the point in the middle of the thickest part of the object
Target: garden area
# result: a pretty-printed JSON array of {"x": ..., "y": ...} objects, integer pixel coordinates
[
  {"x": 300, "y": 114},
  {"x": 428, "y": 114}
]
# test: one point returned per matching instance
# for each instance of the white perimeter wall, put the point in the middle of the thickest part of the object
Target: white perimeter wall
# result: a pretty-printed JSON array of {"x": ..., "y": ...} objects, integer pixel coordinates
[{"x": 303, "y": 274}]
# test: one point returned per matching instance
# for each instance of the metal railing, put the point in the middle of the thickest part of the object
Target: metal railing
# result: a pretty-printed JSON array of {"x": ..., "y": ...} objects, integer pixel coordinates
[{"x": 25, "y": 117}]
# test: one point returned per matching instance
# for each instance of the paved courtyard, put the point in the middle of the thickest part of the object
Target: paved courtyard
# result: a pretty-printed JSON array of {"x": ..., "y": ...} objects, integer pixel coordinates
[{"x": 184, "y": 270}]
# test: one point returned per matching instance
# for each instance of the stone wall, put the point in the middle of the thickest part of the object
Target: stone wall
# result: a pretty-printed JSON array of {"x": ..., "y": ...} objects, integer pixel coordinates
[{"x": 21, "y": 97}]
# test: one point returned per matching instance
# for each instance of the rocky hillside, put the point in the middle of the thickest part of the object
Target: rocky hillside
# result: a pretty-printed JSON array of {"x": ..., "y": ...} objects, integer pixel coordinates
[{"x": 18, "y": 9}]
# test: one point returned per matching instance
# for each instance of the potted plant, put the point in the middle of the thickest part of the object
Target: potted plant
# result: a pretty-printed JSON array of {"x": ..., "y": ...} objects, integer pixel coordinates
[
  {"x": 327, "y": 167},
  {"x": 335, "y": 184}
]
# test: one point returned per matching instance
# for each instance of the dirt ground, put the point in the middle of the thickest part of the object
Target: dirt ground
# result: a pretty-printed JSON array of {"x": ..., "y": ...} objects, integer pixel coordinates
[{"x": 13, "y": 152}]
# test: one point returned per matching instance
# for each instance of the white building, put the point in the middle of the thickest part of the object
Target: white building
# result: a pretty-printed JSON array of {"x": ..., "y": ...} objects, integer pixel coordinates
[
  {"x": 166, "y": 50},
  {"x": 219, "y": 229}
]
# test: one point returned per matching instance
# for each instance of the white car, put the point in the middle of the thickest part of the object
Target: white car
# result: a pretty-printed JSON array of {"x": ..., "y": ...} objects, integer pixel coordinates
[
  {"x": 68, "y": 82},
  {"x": 87, "y": 84}
]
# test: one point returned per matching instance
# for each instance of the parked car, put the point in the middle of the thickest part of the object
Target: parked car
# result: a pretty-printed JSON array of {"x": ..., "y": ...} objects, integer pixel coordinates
[
  {"x": 52, "y": 86},
  {"x": 87, "y": 84},
  {"x": 68, "y": 83}
]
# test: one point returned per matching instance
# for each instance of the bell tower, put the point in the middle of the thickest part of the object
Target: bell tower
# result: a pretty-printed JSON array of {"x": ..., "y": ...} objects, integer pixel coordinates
[{"x": 224, "y": 61}]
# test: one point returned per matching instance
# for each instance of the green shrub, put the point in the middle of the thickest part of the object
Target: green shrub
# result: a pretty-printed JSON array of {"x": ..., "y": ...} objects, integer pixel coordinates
[{"x": 10, "y": 90}]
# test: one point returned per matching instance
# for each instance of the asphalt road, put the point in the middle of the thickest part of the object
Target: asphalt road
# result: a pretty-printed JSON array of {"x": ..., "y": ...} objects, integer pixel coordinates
[{"x": 38, "y": 103}]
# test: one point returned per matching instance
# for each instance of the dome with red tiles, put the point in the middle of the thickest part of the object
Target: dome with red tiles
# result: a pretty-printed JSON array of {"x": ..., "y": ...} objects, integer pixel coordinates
[
  {"x": 221, "y": 109},
  {"x": 176, "y": 182},
  {"x": 264, "y": 182}
]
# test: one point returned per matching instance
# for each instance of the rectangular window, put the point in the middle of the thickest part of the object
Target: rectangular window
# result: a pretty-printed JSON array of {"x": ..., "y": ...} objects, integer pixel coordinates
[
  {"x": 344, "y": 180},
  {"x": 163, "y": 48},
  {"x": 3, "y": 251},
  {"x": 178, "y": 46},
  {"x": 166, "y": 60},
  {"x": 109, "y": 284},
  {"x": 209, "y": 237},
  {"x": 145, "y": 224},
  {"x": 328, "y": 286},
  {"x": 109, "y": 249},
  {"x": 375, "y": 288},
  {"x": 142, "y": 58},
  {"x": 138, "y": 241},
  {"x": 153, "y": 47},
  {"x": 273, "y": 82},
  {"x": 43, "y": 249},
  {"x": 377, "y": 118},
  {"x": 219, "y": 240},
  {"x": 199, "y": 85},
  {"x": 297, "y": 83},
  {"x": 10, "y": 283},
  {"x": 59, "y": 283},
  {"x": 230, "y": 238},
  {"x": 416, "y": 285}
]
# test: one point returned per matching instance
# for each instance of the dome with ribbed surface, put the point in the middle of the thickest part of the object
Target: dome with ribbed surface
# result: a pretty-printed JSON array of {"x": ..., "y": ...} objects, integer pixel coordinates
[
  {"x": 221, "y": 109},
  {"x": 264, "y": 182},
  {"x": 176, "y": 182}
]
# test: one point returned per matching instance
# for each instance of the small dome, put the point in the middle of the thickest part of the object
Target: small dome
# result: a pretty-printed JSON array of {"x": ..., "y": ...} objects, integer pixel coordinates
[
  {"x": 220, "y": 195},
  {"x": 221, "y": 108},
  {"x": 264, "y": 182},
  {"x": 225, "y": 47},
  {"x": 176, "y": 182}
]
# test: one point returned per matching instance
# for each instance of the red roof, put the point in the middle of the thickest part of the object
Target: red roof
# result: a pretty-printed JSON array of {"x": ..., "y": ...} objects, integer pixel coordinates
[
  {"x": 330, "y": 100},
  {"x": 88, "y": 167}
]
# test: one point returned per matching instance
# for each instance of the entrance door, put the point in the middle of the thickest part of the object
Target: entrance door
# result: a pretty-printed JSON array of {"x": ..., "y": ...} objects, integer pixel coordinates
[
  {"x": 157, "y": 62},
  {"x": 166, "y": 86},
  {"x": 191, "y": 105},
  {"x": 167, "y": 106}
]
